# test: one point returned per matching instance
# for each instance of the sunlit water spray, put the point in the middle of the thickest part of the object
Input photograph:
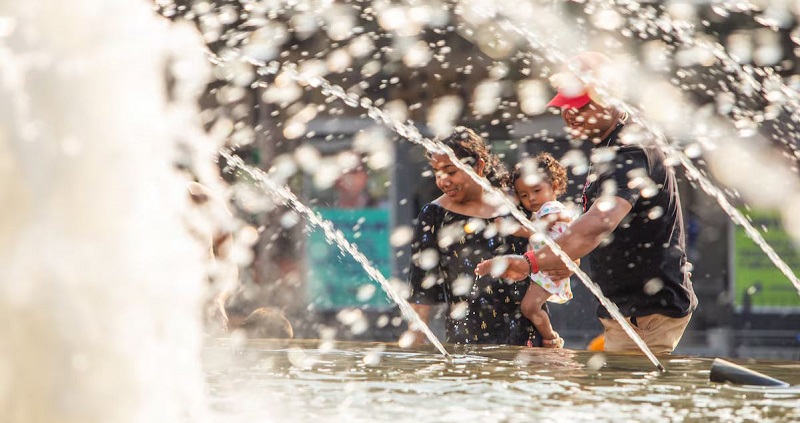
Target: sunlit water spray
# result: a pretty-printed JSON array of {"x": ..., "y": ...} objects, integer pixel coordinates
[
  {"x": 335, "y": 237},
  {"x": 411, "y": 133},
  {"x": 351, "y": 101},
  {"x": 680, "y": 32},
  {"x": 555, "y": 56},
  {"x": 101, "y": 283},
  {"x": 684, "y": 35}
]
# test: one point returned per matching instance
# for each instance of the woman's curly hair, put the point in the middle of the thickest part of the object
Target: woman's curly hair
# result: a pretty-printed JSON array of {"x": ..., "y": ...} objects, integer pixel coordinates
[
  {"x": 550, "y": 169},
  {"x": 471, "y": 147}
]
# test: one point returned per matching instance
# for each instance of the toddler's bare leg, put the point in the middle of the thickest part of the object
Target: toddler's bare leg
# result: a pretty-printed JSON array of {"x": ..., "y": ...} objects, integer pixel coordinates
[{"x": 531, "y": 307}]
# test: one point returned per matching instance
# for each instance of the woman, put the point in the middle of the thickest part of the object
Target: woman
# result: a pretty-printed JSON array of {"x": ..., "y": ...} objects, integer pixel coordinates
[{"x": 453, "y": 234}]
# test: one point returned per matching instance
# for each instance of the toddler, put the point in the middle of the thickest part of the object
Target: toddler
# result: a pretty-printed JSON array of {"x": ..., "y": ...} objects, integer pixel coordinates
[{"x": 537, "y": 187}]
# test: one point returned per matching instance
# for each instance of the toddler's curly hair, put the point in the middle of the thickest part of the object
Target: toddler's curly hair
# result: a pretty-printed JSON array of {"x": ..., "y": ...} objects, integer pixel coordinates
[{"x": 551, "y": 170}]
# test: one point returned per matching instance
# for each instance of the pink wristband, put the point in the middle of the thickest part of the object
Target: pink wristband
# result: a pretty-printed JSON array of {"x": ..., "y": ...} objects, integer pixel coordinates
[{"x": 530, "y": 256}]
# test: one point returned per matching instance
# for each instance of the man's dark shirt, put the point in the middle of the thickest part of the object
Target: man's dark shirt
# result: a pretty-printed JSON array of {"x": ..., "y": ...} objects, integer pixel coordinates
[{"x": 641, "y": 267}]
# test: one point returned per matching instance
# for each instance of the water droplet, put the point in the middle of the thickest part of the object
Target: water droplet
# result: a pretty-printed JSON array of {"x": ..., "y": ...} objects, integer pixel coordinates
[
  {"x": 300, "y": 359},
  {"x": 417, "y": 55},
  {"x": 365, "y": 292},
  {"x": 596, "y": 362},
  {"x": 499, "y": 266},
  {"x": 428, "y": 259},
  {"x": 450, "y": 234},
  {"x": 248, "y": 236},
  {"x": 462, "y": 285},
  {"x": 401, "y": 236},
  {"x": 720, "y": 10},
  {"x": 429, "y": 282},
  {"x": 609, "y": 188},
  {"x": 486, "y": 97},
  {"x": 605, "y": 204},
  {"x": 443, "y": 114},
  {"x": 289, "y": 219},
  {"x": 607, "y": 19},
  {"x": 372, "y": 358},
  {"x": 653, "y": 286},
  {"x": 603, "y": 155},
  {"x": 382, "y": 321},
  {"x": 459, "y": 310},
  {"x": 474, "y": 226},
  {"x": 407, "y": 339},
  {"x": 655, "y": 213},
  {"x": 693, "y": 150}
]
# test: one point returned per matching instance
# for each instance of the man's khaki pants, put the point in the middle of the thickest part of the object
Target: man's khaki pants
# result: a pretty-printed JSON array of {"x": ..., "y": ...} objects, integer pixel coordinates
[{"x": 659, "y": 332}]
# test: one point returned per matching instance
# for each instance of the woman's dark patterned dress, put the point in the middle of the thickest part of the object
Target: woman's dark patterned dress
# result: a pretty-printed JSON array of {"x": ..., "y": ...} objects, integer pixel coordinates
[{"x": 447, "y": 246}]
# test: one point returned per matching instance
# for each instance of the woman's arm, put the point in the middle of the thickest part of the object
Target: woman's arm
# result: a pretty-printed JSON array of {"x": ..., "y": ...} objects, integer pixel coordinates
[{"x": 423, "y": 294}]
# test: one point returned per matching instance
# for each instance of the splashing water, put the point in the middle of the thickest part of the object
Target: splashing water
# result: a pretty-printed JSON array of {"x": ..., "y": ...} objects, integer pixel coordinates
[
  {"x": 553, "y": 55},
  {"x": 102, "y": 317},
  {"x": 411, "y": 133},
  {"x": 660, "y": 139},
  {"x": 682, "y": 33},
  {"x": 336, "y": 237}
]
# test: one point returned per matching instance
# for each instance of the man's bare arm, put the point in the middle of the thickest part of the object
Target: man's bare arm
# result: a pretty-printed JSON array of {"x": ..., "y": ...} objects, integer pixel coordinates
[
  {"x": 583, "y": 236},
  {"x": 586, "y": 232}
]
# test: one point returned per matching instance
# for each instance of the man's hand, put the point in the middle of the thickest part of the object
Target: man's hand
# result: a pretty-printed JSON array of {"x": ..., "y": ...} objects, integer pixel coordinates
[{"x": 506, "y": 267}]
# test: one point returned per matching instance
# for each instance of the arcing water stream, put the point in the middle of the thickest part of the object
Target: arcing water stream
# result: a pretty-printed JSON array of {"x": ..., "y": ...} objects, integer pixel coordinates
[
  {"x": 411, "y": 133},
  {"x": 104, "y": 314},
  {"x": 336, "y": 238},
  {"x": 660, "y": 139}
]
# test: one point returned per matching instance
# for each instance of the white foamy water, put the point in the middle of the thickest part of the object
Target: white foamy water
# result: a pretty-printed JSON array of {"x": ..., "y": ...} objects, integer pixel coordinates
[{"x": 100, "y": 283}]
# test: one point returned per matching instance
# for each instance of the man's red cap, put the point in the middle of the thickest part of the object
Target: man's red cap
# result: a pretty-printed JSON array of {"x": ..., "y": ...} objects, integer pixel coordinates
[
  {"x": 573, "y": 93},
  {"x": 568, "y": 102}
]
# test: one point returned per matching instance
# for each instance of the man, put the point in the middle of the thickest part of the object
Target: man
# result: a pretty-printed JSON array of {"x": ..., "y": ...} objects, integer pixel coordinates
[{"x": 632, "y": 225}]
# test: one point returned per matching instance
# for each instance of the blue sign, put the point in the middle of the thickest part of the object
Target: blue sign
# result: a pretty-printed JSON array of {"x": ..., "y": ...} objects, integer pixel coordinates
[{"x": 337, "y": 280}]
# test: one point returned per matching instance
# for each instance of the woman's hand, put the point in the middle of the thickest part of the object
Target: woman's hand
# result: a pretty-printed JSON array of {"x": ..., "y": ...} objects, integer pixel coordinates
[{"x": 507, "y": 267}]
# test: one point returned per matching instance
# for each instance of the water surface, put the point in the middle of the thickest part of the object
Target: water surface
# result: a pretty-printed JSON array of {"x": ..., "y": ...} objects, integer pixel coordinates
[{"x": 312, "y": 381}]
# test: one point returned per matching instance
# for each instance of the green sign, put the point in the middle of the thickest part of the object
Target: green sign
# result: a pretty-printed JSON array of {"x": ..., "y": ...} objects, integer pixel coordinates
[
  {"x": 337, "y": 280},
  {"x": 769, "y": 288}
]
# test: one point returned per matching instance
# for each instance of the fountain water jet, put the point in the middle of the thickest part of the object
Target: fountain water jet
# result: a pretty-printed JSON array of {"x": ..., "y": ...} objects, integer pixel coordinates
[
  {"x": 353, "y": 101},
  {"x": 104, "y": 316},
  {"x": 661, "y": 141},
  {"x": 411, "y": 133},
  {"x": 335, "y": 237},
  {"x": 683, "y": 34}
]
